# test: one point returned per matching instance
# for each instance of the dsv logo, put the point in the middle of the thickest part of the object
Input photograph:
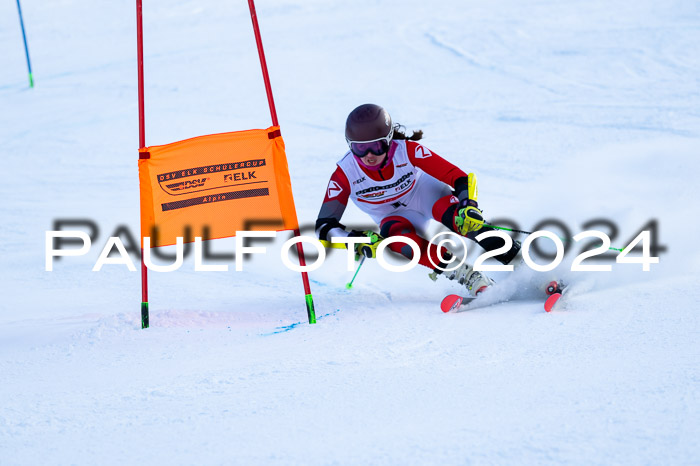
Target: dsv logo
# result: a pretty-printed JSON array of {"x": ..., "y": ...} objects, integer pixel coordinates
[{"x": 189, "y": 184}]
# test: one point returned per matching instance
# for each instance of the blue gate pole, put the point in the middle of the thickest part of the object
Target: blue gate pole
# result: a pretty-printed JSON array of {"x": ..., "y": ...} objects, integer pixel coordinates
[{"x": 26, "y": 48}]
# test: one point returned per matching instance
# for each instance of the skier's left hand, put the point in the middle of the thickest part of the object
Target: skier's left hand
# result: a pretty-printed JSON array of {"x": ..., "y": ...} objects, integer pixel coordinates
[{"x": 468, "y": 217}]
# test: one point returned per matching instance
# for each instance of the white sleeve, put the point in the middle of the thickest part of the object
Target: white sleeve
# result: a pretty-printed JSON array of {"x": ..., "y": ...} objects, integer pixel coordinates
[{"x": 338, "y": 232}]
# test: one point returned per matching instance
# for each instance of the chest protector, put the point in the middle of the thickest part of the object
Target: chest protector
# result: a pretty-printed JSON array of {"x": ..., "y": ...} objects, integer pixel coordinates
[{"x": 381, "y": 198}]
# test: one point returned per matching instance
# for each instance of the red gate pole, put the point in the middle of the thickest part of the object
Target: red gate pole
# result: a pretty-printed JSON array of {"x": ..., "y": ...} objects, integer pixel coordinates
[
  {"x": 142, "y": 144},
  {"x": 273, "y": 113}
]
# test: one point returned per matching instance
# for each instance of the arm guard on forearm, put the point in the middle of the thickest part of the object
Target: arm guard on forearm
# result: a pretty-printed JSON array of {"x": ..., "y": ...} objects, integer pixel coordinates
[
  {"x": 465, "y": 188},
  {"x": 325, "y": 225}
]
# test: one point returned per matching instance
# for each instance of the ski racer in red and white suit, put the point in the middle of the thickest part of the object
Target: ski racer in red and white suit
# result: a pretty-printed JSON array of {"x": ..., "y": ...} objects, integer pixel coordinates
[
  {"x": 401, "y": 197},
  {"x": 402, "y": 190}
]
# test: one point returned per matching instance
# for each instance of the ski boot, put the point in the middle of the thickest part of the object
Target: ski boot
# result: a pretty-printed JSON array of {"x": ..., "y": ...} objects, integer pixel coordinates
[
  {"x": 474, "y": 281},
  {"x": 554, "y": 287}
]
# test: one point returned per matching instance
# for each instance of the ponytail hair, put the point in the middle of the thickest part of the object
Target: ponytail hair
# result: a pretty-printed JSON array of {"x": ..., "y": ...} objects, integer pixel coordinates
[{"x": 399, "y": 133}]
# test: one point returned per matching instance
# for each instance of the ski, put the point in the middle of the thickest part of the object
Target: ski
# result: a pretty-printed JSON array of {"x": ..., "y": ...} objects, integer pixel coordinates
[
  {"x": 555, "y": 290},
  {"x": 454, "y": 301}
]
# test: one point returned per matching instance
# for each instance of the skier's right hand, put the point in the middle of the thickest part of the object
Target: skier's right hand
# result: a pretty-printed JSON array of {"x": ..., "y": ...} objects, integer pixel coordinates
[{"x": 368, "y": 250}]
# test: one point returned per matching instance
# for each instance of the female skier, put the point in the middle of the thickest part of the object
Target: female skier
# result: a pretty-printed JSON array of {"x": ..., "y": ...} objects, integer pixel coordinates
[{"x": 402, "y": 184}]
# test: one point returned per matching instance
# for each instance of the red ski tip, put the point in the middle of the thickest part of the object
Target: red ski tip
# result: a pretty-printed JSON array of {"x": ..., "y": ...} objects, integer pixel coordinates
[
  {"x": 551, "y": 301},
  {"x": 451, "y": 302}
]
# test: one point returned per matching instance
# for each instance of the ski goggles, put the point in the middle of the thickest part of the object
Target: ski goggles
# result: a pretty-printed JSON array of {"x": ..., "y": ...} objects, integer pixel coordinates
[{"x": 376, "y": 146}]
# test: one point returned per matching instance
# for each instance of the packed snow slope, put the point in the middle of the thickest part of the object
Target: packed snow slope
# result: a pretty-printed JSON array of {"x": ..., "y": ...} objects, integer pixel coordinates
[{"x": 586, "y": 112}]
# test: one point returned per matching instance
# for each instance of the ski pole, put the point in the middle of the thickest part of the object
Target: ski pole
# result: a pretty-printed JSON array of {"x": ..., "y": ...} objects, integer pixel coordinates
[
  {"x": 530, "y": 232},
  {"x": 26, "y": 48},
  {"x": 508, "y": 229},
  {"x": 362, "y": 261}
]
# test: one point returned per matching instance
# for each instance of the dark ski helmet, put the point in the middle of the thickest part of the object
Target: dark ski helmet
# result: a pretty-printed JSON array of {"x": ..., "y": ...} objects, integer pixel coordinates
[{"x": 368, "y": 123}]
